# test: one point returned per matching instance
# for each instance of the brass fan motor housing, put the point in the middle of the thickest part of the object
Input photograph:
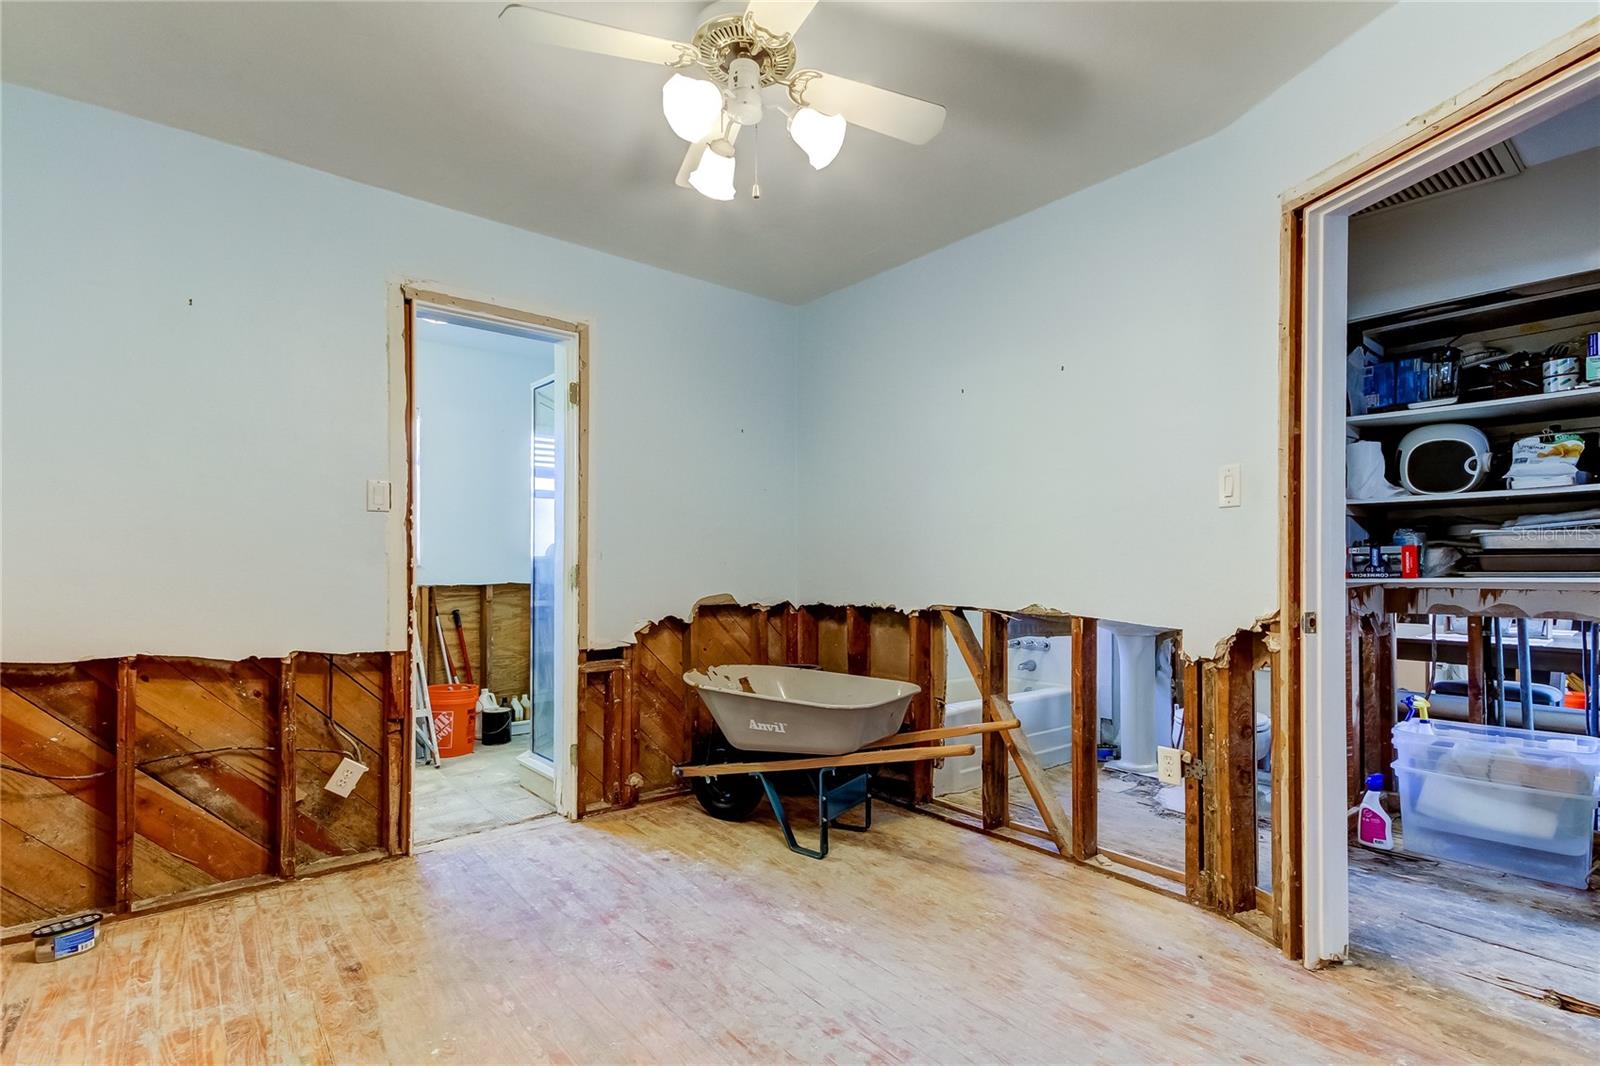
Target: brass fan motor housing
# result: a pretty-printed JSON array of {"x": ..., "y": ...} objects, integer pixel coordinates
[{"x": 721, "y": 40}]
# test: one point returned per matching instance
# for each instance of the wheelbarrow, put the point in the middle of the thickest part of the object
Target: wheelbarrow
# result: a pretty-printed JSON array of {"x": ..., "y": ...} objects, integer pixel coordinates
[{"x": 827, "y": 729}]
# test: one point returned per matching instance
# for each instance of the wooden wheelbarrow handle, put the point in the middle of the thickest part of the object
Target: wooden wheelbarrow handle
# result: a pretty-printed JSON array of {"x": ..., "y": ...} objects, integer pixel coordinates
[
  {"x": 823, "y": 762},
  {"x": 895, "y": 740}
]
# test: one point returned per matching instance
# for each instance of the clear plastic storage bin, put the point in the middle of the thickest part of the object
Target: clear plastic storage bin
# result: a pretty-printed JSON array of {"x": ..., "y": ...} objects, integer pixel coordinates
[{"x": 1503, "y": 798}]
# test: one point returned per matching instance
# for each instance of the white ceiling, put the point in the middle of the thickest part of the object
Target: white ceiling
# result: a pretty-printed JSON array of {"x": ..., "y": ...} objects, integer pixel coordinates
[{"x": 444, "y": 103}]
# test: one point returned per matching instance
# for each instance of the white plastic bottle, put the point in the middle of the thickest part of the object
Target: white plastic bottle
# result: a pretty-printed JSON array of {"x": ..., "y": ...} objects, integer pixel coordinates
[{"x": 1374, "y": 826}]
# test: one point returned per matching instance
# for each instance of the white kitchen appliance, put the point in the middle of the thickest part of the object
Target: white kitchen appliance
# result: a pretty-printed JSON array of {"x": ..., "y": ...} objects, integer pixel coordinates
[{"x": 1444, "y": 458}]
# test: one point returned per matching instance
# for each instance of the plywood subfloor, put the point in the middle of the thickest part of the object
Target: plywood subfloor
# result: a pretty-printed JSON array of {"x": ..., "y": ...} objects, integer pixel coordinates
[
  {"x": 661, "y": 935},
  {"x": 1477, "y": 933},
  {"x": 471, "y": 793}
]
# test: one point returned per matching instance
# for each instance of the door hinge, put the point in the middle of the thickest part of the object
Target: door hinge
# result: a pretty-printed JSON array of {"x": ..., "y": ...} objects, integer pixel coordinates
[
  {"x": 1194, "y": 770},
  {"x": 1308, "y": 622},
  {"x": 574, "y": 756},
  {"x": 574, "y": 575},
  {"x": 574, "y": 392}
]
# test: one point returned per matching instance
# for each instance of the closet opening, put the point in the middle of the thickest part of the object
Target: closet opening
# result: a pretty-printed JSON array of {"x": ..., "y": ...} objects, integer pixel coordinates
[{"x": 1442, "y": 547}]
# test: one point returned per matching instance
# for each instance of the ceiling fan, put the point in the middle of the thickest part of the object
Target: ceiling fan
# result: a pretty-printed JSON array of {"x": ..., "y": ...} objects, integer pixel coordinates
[{"x": 731, "y": 58}]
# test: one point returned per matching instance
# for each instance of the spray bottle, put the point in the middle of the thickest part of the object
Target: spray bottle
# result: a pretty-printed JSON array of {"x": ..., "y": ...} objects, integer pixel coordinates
[{"x": 1374, "y": 826}]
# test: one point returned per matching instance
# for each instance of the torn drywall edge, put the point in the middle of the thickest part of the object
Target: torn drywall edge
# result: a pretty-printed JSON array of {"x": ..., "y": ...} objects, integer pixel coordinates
[{"x": 1264, "y": 626}]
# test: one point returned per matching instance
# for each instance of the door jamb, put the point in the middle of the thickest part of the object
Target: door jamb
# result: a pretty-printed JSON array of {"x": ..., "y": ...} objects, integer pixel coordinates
[{"x": 1310, "y": 873}]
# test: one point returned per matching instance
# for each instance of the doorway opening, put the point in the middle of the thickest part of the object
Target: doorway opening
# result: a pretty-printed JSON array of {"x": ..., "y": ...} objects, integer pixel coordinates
[
  {"x": 1457, "y": 845},
  {"x": 492, "y": 466}
]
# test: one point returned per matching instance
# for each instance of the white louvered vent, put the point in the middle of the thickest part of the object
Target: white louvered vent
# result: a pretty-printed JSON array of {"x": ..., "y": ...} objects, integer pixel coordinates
[{"x": 1491, "y": 164}]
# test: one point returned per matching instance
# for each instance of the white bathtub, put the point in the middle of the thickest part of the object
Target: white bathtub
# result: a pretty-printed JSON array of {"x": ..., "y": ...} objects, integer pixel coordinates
[{"x": 1044, "y": 709}]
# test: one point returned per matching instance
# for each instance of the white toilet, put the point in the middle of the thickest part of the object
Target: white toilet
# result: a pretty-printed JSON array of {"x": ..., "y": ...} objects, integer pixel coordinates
[{"x": 1263, "y": 736}]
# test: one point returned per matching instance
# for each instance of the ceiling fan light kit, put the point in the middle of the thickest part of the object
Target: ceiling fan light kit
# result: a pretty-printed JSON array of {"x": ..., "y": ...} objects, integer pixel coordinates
[
  {"x": 742, "y": 54},
  {"x": 819, "y": 136},
  {"x": 693, "y": 107},
  {"x": 713, "y": 176}
]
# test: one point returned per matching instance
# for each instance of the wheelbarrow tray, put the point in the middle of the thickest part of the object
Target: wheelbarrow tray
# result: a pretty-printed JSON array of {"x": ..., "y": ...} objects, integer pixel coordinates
[{"x": 797, "y": 711}]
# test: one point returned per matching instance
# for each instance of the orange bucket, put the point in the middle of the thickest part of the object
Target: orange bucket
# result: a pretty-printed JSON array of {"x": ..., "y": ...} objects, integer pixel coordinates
[
  {"x": 1574, "y": 699},
  {"x": 454, "y": 709}
]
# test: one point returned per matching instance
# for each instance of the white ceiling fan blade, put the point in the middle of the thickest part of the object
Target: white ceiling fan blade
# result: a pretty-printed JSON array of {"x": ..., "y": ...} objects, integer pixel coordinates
[
  {"x": 896, "y": 115},
  {"x": 780, "y": 16},
  {"x": 545, "y": 27}
]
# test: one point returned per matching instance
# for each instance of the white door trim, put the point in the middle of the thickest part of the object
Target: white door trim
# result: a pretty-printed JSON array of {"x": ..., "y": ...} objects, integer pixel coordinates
[{"x": 1325, "y": 869}]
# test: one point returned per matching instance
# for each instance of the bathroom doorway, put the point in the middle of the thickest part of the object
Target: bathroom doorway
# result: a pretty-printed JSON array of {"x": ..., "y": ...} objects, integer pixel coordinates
[{"x": 494, "y": 450}]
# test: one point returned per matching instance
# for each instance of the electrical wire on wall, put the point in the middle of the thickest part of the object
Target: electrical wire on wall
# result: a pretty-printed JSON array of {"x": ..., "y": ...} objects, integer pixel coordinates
[
  {"x": 203, "y": 754},
  {"x": 353, "y": 752}
]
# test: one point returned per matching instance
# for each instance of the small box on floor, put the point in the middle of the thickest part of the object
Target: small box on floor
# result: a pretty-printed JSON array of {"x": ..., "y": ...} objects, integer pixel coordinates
[{"x": 69, "y": 936}]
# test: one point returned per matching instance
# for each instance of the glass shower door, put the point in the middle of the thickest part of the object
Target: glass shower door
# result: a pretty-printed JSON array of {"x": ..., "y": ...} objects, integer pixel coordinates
[{"x": 543, "y": 547}]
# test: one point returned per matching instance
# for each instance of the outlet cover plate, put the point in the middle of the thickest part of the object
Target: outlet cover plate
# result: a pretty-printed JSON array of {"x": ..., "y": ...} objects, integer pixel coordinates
[
  {"x": 1169, "y": 765},
  {"x": 345, "y": 776}
]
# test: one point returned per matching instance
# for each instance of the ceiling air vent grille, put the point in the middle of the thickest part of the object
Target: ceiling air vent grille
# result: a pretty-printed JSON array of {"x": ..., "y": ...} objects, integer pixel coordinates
[{"x": 1491, "y": 164}]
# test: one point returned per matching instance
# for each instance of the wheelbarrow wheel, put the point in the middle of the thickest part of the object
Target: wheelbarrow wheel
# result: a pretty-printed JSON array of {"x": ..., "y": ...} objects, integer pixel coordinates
[{"x": 730, "y": 797}]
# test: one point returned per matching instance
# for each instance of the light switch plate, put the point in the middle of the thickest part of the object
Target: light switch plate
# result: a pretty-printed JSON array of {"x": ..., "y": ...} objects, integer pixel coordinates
[
  {"x": 1169, "y": 765},
  {"x": 1228, "y": 488},
  {"x": 345, "y": 776},
  {"x": 379, "y": 494}
]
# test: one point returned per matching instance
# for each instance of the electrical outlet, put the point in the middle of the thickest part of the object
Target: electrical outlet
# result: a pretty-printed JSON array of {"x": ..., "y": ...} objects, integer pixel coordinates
[
  {"x": 1169, "y": 765},
  {"x": 1228, "y": 488},
  {"x": 379, "y": 495},
  {"x": 345, "y": 776}
]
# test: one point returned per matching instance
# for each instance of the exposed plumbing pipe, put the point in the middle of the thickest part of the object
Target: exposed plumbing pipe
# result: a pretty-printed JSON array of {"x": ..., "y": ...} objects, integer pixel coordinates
[{"x": 1525, "y": 673}]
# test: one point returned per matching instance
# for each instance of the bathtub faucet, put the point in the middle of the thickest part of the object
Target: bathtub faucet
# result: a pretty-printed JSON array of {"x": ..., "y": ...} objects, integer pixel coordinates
[{"x": 1028, "y": 665}]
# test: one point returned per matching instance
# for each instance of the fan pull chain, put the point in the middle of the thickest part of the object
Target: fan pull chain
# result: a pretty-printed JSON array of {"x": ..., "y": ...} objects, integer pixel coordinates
[{"x": 755, "y": 162}]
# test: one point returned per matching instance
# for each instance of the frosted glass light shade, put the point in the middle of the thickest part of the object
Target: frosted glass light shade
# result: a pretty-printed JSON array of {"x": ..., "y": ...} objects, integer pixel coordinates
[
  {"x": 713, "y": 177},
  {"x": 693, "y": 107},
  {"x": 819, "y": 136}
]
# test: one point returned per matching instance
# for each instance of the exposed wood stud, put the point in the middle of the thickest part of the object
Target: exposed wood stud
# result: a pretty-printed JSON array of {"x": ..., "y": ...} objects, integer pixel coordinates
[
  {"x": 485, "y": 633},
  {"x": 1476, "y": 711},
  {"x": 759, "y": 637},
  {"x": 691, "y": 698},
  {"x": 1195, "y": 879},
  {"x": 996, "y": 766},
  {"x": 1085, "y": 736},
  {"x": 1352, "y": 710},
  {"x": 284, "y": 843},
  {"x": 997, "y": 709},
  {"x": 396, "y": 731},
  {"x": 921, "y": 712},
  {"x": 1286, "y": 832},
  {"x": 791, "y": 635},
  {"x": 126, "y": 773},
  {"x": 627, "y": 770},
  {"x": 1371, "y": 700},
  {"x": 1385, "y": 689},
  {"x": 858, "y": 641},
  {"x": 1231, "y": 776},
  {"x": 612, "y": 729},
  {"x": 966, "y": 642}
]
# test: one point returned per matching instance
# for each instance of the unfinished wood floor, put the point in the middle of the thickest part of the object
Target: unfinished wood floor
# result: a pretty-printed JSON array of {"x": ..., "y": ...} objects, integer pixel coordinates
[
  {"x": 1479, "y": 933},
  {"x": 662, "y": 935}
]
